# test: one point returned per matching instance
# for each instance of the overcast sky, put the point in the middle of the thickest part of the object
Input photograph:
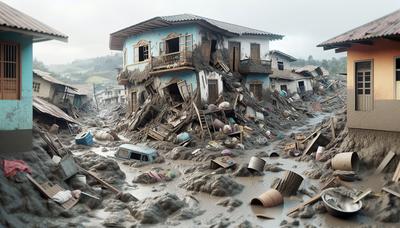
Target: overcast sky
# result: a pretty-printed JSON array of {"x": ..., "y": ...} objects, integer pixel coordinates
[{"x": 305, "y": 23}]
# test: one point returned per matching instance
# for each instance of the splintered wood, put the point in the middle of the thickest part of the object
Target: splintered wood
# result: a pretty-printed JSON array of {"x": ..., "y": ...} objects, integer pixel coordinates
[{"x": 385, "y": 162}]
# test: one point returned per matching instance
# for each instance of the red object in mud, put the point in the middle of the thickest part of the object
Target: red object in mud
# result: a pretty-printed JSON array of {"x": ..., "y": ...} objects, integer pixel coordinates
[{"x": 11, "y": 167}]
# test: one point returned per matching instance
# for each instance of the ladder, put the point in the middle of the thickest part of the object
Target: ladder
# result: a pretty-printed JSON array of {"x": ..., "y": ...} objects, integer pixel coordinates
[{"x": 203, "y": 122}]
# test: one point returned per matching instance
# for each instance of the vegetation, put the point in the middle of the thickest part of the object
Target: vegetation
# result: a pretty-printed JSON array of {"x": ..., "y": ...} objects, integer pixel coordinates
[{"x": 334, "y": 65}]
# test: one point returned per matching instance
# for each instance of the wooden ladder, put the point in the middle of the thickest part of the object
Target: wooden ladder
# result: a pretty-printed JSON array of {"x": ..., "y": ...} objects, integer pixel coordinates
[{"x": 203, "y": 122}]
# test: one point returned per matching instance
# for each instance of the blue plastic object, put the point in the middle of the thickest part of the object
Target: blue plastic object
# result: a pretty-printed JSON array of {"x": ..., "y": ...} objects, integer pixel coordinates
[{"x": 84, "y": 138}]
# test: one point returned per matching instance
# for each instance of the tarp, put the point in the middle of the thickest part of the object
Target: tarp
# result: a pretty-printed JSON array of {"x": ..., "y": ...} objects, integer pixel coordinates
[
  {"x": 48, "y": 108},
  {"x": 11, "y": 167}
]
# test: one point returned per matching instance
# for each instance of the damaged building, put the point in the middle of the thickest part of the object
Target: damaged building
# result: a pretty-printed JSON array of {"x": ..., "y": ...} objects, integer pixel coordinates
[{"x": 178, "y": 55}]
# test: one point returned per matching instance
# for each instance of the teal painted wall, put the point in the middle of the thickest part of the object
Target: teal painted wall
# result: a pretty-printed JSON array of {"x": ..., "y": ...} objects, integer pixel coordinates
[
  {"x": 189, "y": 76},
  {"x": 154, "y": 37},
  {"x": 258, "y": 77},
  {"x": 17, "y": 114}
]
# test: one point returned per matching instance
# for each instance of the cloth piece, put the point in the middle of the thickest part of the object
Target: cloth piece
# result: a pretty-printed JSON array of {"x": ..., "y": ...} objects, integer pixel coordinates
[
  {"x": 62, "y": 196},
  {"x": 11, "y": 167}
]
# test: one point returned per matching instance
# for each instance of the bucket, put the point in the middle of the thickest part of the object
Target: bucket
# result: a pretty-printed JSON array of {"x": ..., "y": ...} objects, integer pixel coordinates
[
  {"x": 320, "y": 150},
  {"x": 81, "y": 178},
  {"x": 256, "y": 164},
  {"x": 270, "y": 198},
  {"x": 345, "y": 161}
]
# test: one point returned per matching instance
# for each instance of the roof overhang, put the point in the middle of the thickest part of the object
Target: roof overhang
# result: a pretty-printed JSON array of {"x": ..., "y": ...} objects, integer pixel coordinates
[{"x": 36, "y": 36}]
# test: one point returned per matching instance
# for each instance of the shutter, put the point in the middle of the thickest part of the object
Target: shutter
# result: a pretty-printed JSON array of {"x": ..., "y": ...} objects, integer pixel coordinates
[
  {"x": 9, "y": 71},
  {"x": 184, "y": 90},
  {"x": 162, "y": 47},
  {"x": 136, "y": 54}
]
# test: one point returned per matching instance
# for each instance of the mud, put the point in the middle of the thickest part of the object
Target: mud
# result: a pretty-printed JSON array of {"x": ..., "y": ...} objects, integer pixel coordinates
[{"x": 216, "y": 185}]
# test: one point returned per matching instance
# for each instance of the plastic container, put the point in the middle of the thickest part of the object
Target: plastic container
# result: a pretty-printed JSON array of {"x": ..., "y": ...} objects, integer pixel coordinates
[{"x": 270, "y": 198}]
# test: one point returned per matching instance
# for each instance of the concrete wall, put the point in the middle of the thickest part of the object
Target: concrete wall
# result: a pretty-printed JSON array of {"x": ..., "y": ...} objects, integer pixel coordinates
[
  {"x": 45, "y": 90},
  {"x": 257, "y": 77},
  {"x": 203, "y": 84},
  {"x": 17, "y": 114},
  {"x": 293, "y": 86},
  {"x": 154, "y": 37},
  {"x": 188, "y": 75},
  {"x": 278, "y": 58},
  {"x": 385, "y": 114},
  {"x": 245, "y": 42}
]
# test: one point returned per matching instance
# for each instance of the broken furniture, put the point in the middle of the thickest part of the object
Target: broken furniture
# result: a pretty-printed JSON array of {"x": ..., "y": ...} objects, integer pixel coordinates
[
  {"x": 224, "y": 162},
  {"x": 68, "y": 167},
  {"x": 338, "y": 204},
  {"x": 289, "y": 184},
  {"x": 270, "y": 198},
  {"x": 50, "y": 190}
]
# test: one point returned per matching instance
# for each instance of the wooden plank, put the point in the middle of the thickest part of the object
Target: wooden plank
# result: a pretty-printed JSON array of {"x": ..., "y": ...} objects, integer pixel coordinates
[
  {"x": 391, "y": 191},
  {"x": 109, "y": 186},
  {"x": 396, "y": 175},
  {"x": 385, "y": 162},
  {"x": 333, "y": 129},
  {"x": 309, "y": 201},
  {"x": 311, "y": 143},
  {"x": 224, "y": 162},
  {"x": 362, "y": 195},
  {"x": 263, "y": 216}
]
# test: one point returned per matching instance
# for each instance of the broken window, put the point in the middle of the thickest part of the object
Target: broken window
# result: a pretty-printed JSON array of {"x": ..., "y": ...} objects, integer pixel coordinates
[
  {"x": 280, "y": 65},
  {"x": 173, "y": 91},
  {"x": 256, "y": 89},
  {"x": 172, "y": 45},
  {"x": 363, "y": 85},
  {"x": 135, "y": 156},
  {"x": 36, "y": 87},
  {"x": 398, "y": 78},
  {"x": 10, "y": 75},
  {"x": 141, "y": 53},
  {"x": 284, "y": 88}
]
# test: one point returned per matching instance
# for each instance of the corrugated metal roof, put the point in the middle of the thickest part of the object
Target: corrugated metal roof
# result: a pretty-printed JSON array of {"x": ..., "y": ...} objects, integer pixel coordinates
[
  {"x": 14, "y": 20},
  {"x": 289, "y": 57},
  {"x": 117, "y": 38},
  {"x": 385, "y": 26},
  {"x": 50, "y": 109},
  {"x": 47, "y": 76}
]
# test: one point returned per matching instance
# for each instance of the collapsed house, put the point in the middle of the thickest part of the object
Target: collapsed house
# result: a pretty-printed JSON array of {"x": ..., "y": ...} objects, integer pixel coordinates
[
  {"x": 190, "y": 73},
  {"x": 18, "y": 33},
  {"x": 111, "y": 95},
  {"x": 284, "y": 78}
]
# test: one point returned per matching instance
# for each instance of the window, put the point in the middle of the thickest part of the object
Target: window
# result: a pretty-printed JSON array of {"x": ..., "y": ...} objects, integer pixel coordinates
[
  {"x": 141, "y": 53},
  {"x": 256, "y": 89},
  {"x": 10, "y": 74},
  {"x": 280, "y": 65},
  {"x": 302, "y": 86},
  {"x": 145, "y": 158},
  {"x": 135, "y": 156},
  {"x": 397, "y": 78},
  {"x": 36, "y": 87},
  {"x": 172, "y": 45},
  {"x": 363, "y": 86},
  {"x": 284, "y": 88}
]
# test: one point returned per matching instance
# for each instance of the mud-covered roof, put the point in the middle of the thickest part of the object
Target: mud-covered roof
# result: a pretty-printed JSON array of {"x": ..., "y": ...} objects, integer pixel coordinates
[
  {"x": 14, "y": 20},
  {"x": 117, "y": 38},
  {"x": 385, "y": 27}
]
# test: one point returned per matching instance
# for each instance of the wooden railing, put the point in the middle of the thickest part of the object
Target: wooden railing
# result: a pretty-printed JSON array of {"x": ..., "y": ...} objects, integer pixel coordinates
[
  {"x": 172, "y": 60},
  {"x": 255, "y": 66}
]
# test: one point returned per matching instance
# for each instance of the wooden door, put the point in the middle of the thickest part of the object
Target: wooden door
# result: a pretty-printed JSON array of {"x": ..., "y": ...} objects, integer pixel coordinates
[
  {"x": 364, "y": 88},
  {"x": 234, "y": 55},
  {"x": 183, "y": 90},
  {"x": 256, "y": 89},
  {"x": 255, "y": 52},
  {"x": 212, "y": 91}
]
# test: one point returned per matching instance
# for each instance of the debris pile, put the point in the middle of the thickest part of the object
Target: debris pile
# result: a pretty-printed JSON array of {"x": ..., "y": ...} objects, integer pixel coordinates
[{"x": 217, "y": 185}]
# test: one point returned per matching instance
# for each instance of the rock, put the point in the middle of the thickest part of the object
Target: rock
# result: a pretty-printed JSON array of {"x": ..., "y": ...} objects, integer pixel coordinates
[
  {"x": 273, "y": 168},
  {"x": 213, "y": 184},
  {"x": 126, "y": 197},
  {"x": 308, "y": 212},
  {"x": 231, "y": 203}
]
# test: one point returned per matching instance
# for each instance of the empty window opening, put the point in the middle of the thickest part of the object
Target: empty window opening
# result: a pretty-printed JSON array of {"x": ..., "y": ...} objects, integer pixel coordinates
[
  {"x": 284, "y": 88},
  {"x": 398, "y": 78},
  {"x": 172, "y": 45},
  {"x": 302, "y": 87},
  {"x": 280, "y": 65},
  {"x": 135, "y": 156},
  {"x": 145, "y": 158},
  {"x": 173, "y": 92},
  {"x": 143, "y": 53},
  {"x": 363, "y": 86},
  {"x": 256, "y": 89},
  {"x": 36, "y": 87}
]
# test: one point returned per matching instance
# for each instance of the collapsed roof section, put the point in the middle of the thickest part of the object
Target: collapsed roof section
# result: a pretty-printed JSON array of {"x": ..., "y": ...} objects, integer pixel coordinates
[
  {"x": 15, "y": 21},
  {"x": 117, "y": 38},
  {"x": 286, "y": 56},
  {"x": 385, "y": 27},
  {"x": 47, "y": 77},
  {"x": 50, "y": 109}
]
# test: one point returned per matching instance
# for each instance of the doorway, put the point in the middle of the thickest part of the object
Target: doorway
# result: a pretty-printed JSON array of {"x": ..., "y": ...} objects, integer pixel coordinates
[
  {"x": 302, "y": 87},
  {"x": 234, "y": 55},
  {"x": 212, "y": 91}
]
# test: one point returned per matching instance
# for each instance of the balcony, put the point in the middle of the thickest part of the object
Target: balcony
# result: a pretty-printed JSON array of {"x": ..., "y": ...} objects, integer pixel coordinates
[
  {"x": 172, "y": 61},
  {"x": 122, "y": 78},
  {"x": 248, "y": 66}
]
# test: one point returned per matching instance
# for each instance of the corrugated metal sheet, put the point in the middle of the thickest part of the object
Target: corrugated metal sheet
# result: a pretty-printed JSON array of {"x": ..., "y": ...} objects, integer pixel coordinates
[
  {"x": 16, "y": 20},
  {"x": 386, "y": 26},
  {"x": 117, "y": 38},
  {"x": 46, "y": 76},
  {"x": 50, "y": 109}
]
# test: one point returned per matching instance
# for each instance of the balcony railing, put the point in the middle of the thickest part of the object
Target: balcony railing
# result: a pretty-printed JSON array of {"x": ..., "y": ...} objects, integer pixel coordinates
[
  {"x": 255, "y": 66},
  {"x": 172, "y": 60}
]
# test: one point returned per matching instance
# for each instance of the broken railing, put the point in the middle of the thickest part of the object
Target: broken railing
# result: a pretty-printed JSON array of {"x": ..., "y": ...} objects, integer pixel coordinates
[
  {"x": 255, "y": 66},
  {"x": 172, "y": 60}
]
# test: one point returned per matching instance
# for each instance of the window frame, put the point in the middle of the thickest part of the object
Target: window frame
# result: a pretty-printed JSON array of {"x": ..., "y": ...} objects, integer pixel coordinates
[
  {"x": 372, "y": 82},
  {"x": 136, "y": 53},
  {"x": 36, "y": 88},
  {"x": 18, "y": 69},
  {"x": 278, "y": 63},
  {"x": 396, "y": 92}
]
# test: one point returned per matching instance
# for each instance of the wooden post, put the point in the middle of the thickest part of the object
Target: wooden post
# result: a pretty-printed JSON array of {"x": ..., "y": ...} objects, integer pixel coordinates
[{"x": 94, "y": 95}]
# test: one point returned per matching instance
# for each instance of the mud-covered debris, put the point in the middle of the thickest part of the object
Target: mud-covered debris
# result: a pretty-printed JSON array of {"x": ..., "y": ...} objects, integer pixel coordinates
[
  {"x": 243, "y": 171},
  {"x": 154, "y": 176},
  {"x": 273, "y": 168},
  {"x": 307, "y": 212},
  {"x": 217, "y": 185},
  {"x": 231, "y": 203}
]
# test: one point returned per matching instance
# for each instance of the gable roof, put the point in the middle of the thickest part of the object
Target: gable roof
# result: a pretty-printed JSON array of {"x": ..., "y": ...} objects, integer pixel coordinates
[
  {"x": 386, "y": 26},
  {"x": 117, "y": 38},
  {"x": 47, "y": 77},
  {"x": 289, "y": 57},
  {"x": 14, "y": 20}
]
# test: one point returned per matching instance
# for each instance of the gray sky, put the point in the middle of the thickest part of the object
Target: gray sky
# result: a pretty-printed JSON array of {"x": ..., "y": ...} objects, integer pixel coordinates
[{"x": 305, "y": 23}]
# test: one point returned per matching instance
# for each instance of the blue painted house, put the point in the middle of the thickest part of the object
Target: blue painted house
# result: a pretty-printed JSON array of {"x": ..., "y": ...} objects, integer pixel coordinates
[
  {"x": 178, "y": 55},
  {"x": 18, "y": 32}
]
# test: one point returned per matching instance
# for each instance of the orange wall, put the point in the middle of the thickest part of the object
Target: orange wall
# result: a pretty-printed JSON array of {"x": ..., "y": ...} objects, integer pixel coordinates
[{"x": 386, "y": 110}]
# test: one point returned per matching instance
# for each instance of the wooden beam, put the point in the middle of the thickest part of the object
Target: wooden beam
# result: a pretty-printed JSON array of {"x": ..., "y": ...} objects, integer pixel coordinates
[{"x": 385, "y": 162}]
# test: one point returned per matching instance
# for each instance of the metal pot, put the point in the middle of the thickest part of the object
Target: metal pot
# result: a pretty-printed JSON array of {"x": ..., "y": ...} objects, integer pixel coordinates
[
  {"x": 256, "y": 164},
  {"x": 339, "y": 205}
]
